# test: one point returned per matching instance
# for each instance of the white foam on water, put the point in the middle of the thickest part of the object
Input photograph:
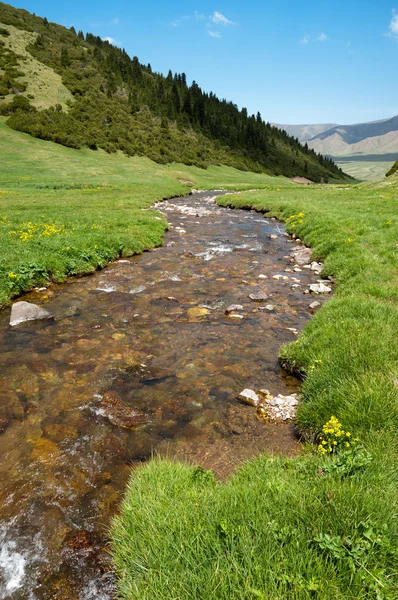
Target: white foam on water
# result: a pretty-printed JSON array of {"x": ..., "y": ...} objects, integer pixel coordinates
[
  {"x": 101, "y": 589},
  {"x": 15, "y": 562},
  {"x": 12, "y": 565},
  {"x": 107, "y": 288}
]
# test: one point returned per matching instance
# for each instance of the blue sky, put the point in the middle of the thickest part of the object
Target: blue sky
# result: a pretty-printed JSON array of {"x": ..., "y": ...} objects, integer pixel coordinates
[{"x": 295, "y": 62}]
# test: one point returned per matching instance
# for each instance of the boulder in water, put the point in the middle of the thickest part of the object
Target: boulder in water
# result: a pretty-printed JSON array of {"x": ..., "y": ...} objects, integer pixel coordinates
[{"x": 25, "y": 311}]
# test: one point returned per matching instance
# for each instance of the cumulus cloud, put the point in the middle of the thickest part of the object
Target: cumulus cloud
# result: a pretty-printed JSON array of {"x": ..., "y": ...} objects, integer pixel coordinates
[
  {"x": 219, "y": 19},
  {"x": 111, "y": 40},
  {"x": 214, "y": 34},
  {"x": 393, "y": 28},
  {"x": 322, "y": 37}
]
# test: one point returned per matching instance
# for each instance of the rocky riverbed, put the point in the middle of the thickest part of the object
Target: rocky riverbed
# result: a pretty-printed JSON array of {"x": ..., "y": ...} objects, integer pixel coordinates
[{"x": 149, "y": 354}]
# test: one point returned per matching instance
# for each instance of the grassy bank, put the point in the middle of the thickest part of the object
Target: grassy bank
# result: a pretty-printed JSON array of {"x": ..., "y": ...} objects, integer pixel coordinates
[
  {"x": 66, "y": 212},
  {"x": 321, "y": 525}
]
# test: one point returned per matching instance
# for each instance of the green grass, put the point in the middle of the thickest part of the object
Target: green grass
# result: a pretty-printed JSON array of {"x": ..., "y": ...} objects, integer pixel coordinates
[
  {"x": 66, "y": 212},
  {"x": 313, "y": 526}
]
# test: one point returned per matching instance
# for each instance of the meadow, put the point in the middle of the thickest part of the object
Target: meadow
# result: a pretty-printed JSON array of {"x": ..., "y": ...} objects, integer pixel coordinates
[
  {"x": 322, "y": 525},
  {"x": 69, "y": 212}
]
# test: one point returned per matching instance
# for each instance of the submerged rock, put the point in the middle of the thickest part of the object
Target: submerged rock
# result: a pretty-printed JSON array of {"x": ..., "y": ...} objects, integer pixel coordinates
[
  {"x": 119, "y": 414},
  {"x": 258, "y": 296},
  {"x": 25, "y": 311}
]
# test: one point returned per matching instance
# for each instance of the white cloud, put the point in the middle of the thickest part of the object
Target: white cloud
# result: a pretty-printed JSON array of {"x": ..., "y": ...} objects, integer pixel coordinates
[
  {"x": 219, "y": 19},
  {"x": 214, "y": 34},
  {"x": 393, "y": 29},
  {"x": 322, "y": 37},
  {"x": 199, "y": 16},
  {"x": 111, "y": 40},
  {"x": 305, "y": 39},
  {"x": 115, "y": 21}
]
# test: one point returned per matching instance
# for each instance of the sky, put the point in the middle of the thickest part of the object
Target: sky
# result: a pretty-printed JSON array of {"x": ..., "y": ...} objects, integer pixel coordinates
[{"x": 295, "y": 62}]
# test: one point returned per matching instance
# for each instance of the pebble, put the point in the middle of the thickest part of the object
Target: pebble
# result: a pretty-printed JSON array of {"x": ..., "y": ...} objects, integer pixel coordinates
[
  {"x": 233, "y": 308},
  {"x": 273, "y": 236},
  {"x": 261, "y": 276},
  {"x": 314, "y": 305}
]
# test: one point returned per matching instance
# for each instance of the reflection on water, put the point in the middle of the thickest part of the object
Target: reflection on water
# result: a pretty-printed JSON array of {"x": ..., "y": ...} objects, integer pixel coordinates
[{"x": 140, "y": 356}]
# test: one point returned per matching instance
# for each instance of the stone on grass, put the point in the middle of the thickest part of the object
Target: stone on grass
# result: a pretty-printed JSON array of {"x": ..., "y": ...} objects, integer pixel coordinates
[{"x": 25, "y": 311}]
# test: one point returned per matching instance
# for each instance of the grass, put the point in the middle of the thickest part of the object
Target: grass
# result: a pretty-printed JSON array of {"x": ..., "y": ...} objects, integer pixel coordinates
[
  {"x": 67, "y": 212},
  {"x": 315, "y": 526}
]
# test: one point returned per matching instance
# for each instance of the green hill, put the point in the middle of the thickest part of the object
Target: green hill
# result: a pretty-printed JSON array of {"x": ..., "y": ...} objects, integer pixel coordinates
[{"x": 78, "y": 90}]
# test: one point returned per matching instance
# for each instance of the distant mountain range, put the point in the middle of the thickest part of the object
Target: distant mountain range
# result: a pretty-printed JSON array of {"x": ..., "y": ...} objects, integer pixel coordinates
[{"x": 375, "y": 137}]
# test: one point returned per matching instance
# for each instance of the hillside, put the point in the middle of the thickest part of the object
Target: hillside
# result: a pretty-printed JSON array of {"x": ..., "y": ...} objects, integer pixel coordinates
[{"x": 78, "y": 90}]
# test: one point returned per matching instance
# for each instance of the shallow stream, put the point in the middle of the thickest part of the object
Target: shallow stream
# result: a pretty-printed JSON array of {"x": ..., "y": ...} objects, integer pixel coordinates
[{"x": 140, "y": 357}]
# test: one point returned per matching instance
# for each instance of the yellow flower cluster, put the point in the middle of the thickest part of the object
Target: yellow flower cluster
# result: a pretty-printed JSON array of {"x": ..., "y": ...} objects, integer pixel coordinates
[
  {"x": 294, "y": 219},
  {"x": 334, "y": 437},
  {"x": 29, "y": 230}
]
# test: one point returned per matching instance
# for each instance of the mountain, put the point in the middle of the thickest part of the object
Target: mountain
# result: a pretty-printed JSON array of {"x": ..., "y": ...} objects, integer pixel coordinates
[
  {"x": 376, "y": 137},
  {"x": 305, "y": 132},
  {"x": 79, "y": 90}
]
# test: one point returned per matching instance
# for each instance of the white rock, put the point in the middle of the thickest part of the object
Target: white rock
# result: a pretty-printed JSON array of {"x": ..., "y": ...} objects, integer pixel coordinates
[
  {"x": 261, "y": 276},
  {"x": 236, "y": 316},
  {"x": 320, "y": 288},
  {"x": 314, "y": 305},
  {"x": 297, "y": 270},
  {"x": 316, "y": 267},
  {"x": 249, "y": 397},
  {"x": 25, "y": 311},
  {"x": 233, "y": 308},
  {"x": 273, "y": 236}
]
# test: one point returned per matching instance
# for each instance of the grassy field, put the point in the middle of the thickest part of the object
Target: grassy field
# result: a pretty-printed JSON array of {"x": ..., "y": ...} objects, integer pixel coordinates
[
  {"x": 65, "y": 212},
  {"x": 322, "y": 525}
]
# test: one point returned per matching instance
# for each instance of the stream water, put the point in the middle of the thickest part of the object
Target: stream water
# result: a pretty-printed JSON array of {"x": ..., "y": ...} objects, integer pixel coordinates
[{"x": 140, "y": 357}]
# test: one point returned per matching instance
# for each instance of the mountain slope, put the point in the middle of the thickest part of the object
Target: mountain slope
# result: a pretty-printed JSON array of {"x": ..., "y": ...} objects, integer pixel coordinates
[
  {"x": 120, "y": 104},
  {"x": 305, "y": 132}
]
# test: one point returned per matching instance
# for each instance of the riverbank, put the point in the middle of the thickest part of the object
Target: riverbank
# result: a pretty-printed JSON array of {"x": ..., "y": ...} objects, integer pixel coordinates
[{"x": 315, "y": 526}]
